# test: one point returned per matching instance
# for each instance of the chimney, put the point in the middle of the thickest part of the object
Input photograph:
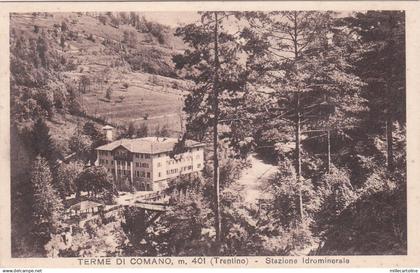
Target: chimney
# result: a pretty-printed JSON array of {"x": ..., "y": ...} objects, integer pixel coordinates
[{"x": 108, "y": 132}]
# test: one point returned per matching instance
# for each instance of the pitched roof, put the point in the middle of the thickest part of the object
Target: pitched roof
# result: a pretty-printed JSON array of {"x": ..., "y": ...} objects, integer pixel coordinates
[{"x": 148, "y": 145}]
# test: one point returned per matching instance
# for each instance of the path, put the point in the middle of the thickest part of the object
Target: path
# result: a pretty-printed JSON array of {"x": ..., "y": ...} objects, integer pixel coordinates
[
  {"x": 252, "y": 178},
  {"x": 157, "y": 117}
]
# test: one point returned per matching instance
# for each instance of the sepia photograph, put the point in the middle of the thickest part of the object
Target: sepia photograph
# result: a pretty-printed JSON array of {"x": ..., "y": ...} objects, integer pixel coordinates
[{"x": 208, "y": 133}]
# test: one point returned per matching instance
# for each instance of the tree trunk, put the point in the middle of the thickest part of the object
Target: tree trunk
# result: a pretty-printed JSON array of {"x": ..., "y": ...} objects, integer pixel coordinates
[
  {"x": 389, "y": 147},
  {"x": 328, "y": 151},
  {"x": 388, "y": 127},
  {"x": 298, "y": 121},
  {"x": 216, "y": 175},
  {"x": 298, "y": 157}
]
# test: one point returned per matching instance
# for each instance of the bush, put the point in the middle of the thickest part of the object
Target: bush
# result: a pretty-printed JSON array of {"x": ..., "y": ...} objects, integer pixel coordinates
[
  {"x": 143, "y": 130},
  {"x": 126, "y": 185},
  {"x": 115, "y": 22},
  {"x": 74, "y": 101},
  {"x": 71, "y": 65},
  {"x": 373, "y": 225},
  {"x": 103, "y": 19},
  {"x": 336, "y": 193},
  {"x": 95, "y": 180},
  {"x": 64, "y": 27},
  {"x": 150, "y": 60},
  {"x": 157, "y": 30},
  {"x": 84, "y": 84},
  {"x": 108, "y": 93},
  {"x": 286, "y": 241},
  {"x": 175, "y": 85},
  {"x": 90, "y": 38},
  {"x": 284, "y": 189}
]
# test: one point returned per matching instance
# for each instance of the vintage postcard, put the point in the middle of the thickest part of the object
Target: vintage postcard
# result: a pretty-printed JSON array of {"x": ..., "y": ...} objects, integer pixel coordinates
[{"x": 210, "y": 134}]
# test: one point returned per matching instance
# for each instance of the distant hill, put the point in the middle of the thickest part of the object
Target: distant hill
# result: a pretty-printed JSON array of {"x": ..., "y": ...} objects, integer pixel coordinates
[
  {"x": 120, "y": 53},
  {"x": 118, "y": 65},
  {"x": 94, "y": 41}
]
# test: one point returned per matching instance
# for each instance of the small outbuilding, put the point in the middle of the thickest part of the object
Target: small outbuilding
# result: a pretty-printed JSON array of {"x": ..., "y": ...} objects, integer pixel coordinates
[
  {"x": 108, "y": 132},
  {"x": 85, "y": 207}
]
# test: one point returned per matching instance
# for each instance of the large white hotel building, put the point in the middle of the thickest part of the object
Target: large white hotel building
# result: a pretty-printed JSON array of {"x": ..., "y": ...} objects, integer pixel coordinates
[{"x": 145, "y": 162}]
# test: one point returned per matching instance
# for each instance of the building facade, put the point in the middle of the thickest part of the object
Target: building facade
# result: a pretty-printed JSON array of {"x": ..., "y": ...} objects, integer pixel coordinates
[{"x": 145, "y": 163}]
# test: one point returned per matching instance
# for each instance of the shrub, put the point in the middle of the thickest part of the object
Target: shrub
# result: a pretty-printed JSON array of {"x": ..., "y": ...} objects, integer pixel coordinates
[
  {"x": 90, "y": 38},
  {"x": 108, "y": 93},
  {"x": 84, "y": 84},
  {"x": 373, "y": 225},
  {"x": 336, "y": 193},
  {"x": 71, "y": 65},
  {"x": 150, "y": 60},
  {"x": 115, "y": 22},
  {"x": 103, "y": 19},
  {"x": 64, "y": 26},
  {"x": 157, "y": 30},
  {"x": 175, "y": 85}
]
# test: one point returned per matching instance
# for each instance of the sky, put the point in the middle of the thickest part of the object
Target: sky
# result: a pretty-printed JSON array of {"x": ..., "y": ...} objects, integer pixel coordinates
[
  {"x": 175, "y": 19},
  {"x": 172, "y": 19}
]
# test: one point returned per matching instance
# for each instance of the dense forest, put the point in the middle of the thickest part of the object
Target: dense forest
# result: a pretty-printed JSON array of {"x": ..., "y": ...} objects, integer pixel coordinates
[{"x": 320, "y": 95}]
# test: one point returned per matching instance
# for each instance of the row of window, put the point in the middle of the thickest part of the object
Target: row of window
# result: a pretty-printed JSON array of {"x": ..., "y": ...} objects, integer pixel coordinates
[
  {"x": 186, "y": 168},
  {"x": 105, "y": 161},
  {"x": 102, "y": 161},
  {"x": 104, "y": 153},
  {"x": 147, "y": 174},
  {"x": 123, "y": 163},
  {"x": 146, "y": 165},
  {"x": 143, "y": 156},
  {"x": 183, "y": 169},
  {"x": 121, "y": 153},
  {"x": 120, "y": 162},
  {"x": 143, "y": 165},
  {"x": 142, "y": 174},
  {"x": 127, "y": 172},
  {"x": 137, "y": 155},
  {"x": 171, "y": 171},
  {"x": 183, "y": 159},
  {"x": 124, "y": 153},
  {"x": 173, "y": 161}
]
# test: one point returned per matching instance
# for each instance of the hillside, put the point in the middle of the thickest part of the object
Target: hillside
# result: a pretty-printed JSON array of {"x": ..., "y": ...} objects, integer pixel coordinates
[{"x": 101, "y": 53}]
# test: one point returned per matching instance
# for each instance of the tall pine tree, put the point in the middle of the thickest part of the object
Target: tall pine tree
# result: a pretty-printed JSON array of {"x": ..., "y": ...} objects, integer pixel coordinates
[
  {"x": 382, "y": 66},
  {"x": 213, "y": 63},
  {"x": 41, "y": 140},
  {"x": 47, "y": 207},
  {"x": 304, "y": 66}
]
